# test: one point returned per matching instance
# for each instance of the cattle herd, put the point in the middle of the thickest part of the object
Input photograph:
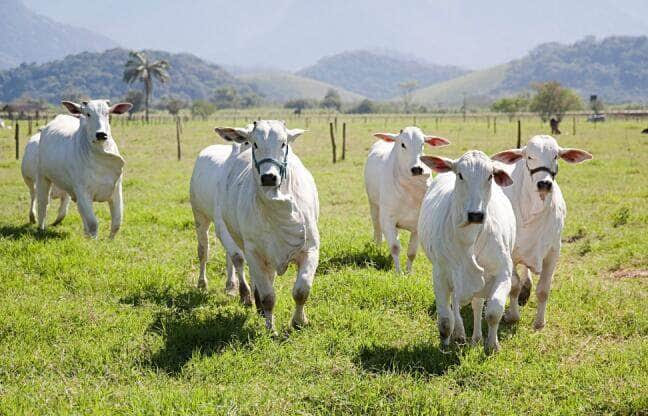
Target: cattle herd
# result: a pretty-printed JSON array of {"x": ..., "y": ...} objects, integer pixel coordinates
[{"x": 478, "y": 220}]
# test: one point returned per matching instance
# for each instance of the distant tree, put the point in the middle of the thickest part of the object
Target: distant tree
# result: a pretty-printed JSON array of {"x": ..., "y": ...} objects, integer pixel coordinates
[
  {"x": 332, "y": 100},
  {"x": 140, "y": 68},
  {"x": 511, "y": 105},
  {"x": 173, "y": 105},
  {"x": 203, "y": 109},
  {"x": 250, "y": 99},
  {"x": 226, "y": 97},
  {"x": 75, "y": 95},
  {"x": 299, "y": 104},
  {"x": 135, "y": 97},
  {"x": 596, "y": 104},
  {"x": 553, "y": 100},
  {"x": 407, "y": 91},
  {"x": 365, "y": 107}
]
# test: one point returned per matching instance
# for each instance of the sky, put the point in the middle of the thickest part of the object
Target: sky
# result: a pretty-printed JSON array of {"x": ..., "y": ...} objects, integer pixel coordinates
[{"x": 292, "y": 34}]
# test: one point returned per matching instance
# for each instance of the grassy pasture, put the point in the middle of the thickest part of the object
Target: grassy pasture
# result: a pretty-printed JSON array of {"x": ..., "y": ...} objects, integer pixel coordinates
[{"x": 97, "y": 327}]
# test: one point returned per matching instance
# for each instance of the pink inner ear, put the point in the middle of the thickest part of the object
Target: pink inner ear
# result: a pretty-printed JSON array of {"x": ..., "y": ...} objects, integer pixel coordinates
[
  {"x": 437, "y": 164},
  {"x": 508, "y": 156},
  {"x": 71, "y": 107},
  {"x": 120, "y": 108},
  {"x": 502, "y": 178},
  {"x": 384, "y": 137},
  {"x": 575, "y": 155},
  {"x": 436, "y": 141}
]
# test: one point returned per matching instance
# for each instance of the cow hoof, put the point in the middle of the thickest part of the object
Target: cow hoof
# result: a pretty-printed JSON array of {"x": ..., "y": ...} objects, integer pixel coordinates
[
  {"x": 57, "y": 222},
  {"x": 299, "y": 324},
  {"x": 246, "y": 300},
  {"x": 511, "y": 318},
  {"x": 231, "y": 290},
  {"x": 476, "y": 340},
  {"x": 32, "y": 219},
  {"x": 525, "y": 292},
  {"x": 202, "y": 284},
  {"x": 538, "y": 325},
  {"x": 490, "y": 348}
]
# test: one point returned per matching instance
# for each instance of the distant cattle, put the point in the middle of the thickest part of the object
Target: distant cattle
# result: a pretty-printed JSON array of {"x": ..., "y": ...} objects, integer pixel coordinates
[
  {"x": 467, "y": 229},
  {"x": 80, "y": 156},
  {"x": 396, "y": 181},
  {"x": 554, "y": 126}
]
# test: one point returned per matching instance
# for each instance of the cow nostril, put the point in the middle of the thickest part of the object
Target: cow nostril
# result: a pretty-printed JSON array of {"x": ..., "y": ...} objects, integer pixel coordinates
[
  {"x": 544, "y": 185},
  {"x": 101, "y": 136},
  {"x": 417, "y": 170},
  {"x": 476, "y": 217},
  {"x": 268, "y": 179}
]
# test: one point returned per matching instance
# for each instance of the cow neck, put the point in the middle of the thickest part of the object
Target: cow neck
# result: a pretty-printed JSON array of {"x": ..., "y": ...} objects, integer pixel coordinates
[
  {"x": 108, "y": 158},
  {"x": 406, "y": 185}
]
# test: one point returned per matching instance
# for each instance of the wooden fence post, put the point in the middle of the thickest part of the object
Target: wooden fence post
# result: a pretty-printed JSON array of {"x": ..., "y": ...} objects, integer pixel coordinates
[
  {"x": 29, "y": 124},
  {"x": 519, "y": 133},
  {"x": 494, "y": 125},
  {"x": 574, "y": 126},
  {"x": 178, "y": 137},
  {"x": 343, "y": 141},
  {"x": 332, "y": 141},
  {"x": 17, "y": 139}
]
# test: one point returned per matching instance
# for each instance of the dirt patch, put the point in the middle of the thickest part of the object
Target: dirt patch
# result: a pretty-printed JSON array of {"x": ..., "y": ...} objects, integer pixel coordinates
[{"x": 630, "y": 274}]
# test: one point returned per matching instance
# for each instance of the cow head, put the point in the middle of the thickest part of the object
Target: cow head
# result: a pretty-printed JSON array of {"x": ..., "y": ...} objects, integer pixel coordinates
[
  {"x": 475, "y": 173},
  {"x": 408, "y": 146},
  {"x": 270, "y": 141},
  {"x": 540, "y": 156},
  {"x": 94, "y": 117}
]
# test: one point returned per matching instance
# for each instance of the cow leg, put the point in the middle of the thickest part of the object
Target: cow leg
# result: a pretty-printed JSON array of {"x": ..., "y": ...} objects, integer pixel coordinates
[
  {"x": 495, "y": 309},
  {"x": 544, "y": 286},
  {"x": 411, "y": 250},
  {"x": 307, "y": 264},
  {"x": 375, "y": 219},
  {"x": 235, "y": 255},
  {"x": 116, "y": 209},
  {"x": 84, "y": 204},
  {"x": 459, "y": 332},
  {"x": 263, "y": 277},
  {"x": 391, "y": 235},
  {"x": 231, "y": 284},
  {"x": 32, "y": 202},
  {"x": 445, "y": 317},
  {"x": 202, "y": 223},
  {"x": 526, "y": 284},
  {"x": 43, "y": 189},
  {"x": 477, "y": 308},
  {"x": 243, "y": 287},
  {"x": 63, "y": 209},
  {"x": 512, "y": 315}
]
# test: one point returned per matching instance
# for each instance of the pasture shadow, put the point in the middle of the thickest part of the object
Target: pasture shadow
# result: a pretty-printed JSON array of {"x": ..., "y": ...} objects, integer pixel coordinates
[
  {"x": 422, "y": 359},
  {"x": 15, "y": 232},
  {"x": 165, "y": 296},
  {"x": 187, "y": 334},
  {"x": 505, "y": 330},
  {"x": 369, "y": 256}
]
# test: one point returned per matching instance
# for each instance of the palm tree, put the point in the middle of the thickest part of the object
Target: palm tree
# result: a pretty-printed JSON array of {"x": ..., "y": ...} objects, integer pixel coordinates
[{"x": 139, "y": 68}]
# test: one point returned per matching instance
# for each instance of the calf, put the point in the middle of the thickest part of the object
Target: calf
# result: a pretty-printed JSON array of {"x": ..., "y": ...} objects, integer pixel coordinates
[
  {"x": 79, "y": 155},
  {"x": 208, "y": 171},
  {"x": 268, "y": 202},
  {"x": 29, "y": 169},
  {"x": 467, "y": 229},
  {"x": 540, "y": 212},
  {"x": 396, "y": 181}
]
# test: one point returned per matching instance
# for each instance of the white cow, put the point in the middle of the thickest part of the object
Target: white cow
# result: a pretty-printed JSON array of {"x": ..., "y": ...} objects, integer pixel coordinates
[
  {"x": 396, "y": 181},
  {"x": 208, "y": 171},
  {"x": 79, "y": 155},
  {"x": 268, "y": 202},
  {"x": 540, "y": 214},
  {"x": 467, "y": 230},
  {"x": 29, "y": 169}
]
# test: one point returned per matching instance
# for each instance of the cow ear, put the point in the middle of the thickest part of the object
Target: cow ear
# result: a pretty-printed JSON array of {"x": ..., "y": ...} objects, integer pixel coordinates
[
  {"x": 574, "y": 155},
  {"x": 120, "y": 108},
  {"x": 502, "y": 178},
  {"x": 233, "y": 134},
  {"x": 438, "y": 164},
  {"x": 388, "y": 137},
  {"x": 509, "y": 156},
  {"x": 73, "y": 108},
  {"x": 293, "y": 134},
  {"x": 436, "y": 141}
]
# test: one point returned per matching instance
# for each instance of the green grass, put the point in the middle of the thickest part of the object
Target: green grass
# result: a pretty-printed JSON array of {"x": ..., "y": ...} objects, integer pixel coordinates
[{"x": 92, "y": 327}]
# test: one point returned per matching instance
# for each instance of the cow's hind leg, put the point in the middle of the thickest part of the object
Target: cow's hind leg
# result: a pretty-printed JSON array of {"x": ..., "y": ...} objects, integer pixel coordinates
[
  {"x": 411, "y": 250},
  {"x": 375, "y": 220},
  {"x": 495, "y": 309},
  {"x": 263, "y": 278},
  {"x": 391, "y": 235},
  {"x": 307, "y": 263},
  {"x": 526, "y": 284},
  {"x": 544, "y": 286},
  {"x": 32, "y": 203},
  {"x": 63, "y": 209},
  {"x": 43, "y": 189},
  {"x": 512, "y": 315},
  {"x": 202, "y": 223}
]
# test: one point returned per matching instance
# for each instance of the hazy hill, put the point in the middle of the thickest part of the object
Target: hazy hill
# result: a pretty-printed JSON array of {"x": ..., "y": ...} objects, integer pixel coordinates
[
  {"x": 30, "y": 37},
  {"x": 100, "y": 75},
  {"x": 283, "y": 86},
  {"x": 377, "y": 75},
  {"x": 614, "y": 68}
]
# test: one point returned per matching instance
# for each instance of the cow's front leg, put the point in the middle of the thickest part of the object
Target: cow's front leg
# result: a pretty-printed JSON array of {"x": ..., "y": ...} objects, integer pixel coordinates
[
  {"x": 262, "y": 277},
  {"x": 459, "y": 332},
  {"x": 445, "y": 317},
  {"x": 307, "y": 264},
  {"x": 43, "y": 189},
  {"x": 477, "y": 308},
  {"x": 495, "y": 309},
  {"x": 84, "y": 203},
  {"x": 512, "y": 315},
  {"x": 544, "y": 286},
  {"x": 116, "y": 209},
  {"x": 391, "y": 235},
  {"x": 411, "y": 250}
]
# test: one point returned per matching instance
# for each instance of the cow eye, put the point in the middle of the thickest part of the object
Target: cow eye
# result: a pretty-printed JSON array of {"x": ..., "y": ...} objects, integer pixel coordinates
[
  {"x": 460, "y": 177},
  {"x": 283, "y": 145},
  {"x": 255, "y": 146},
  {"x": 403, "y": 145},
  {"x": 88, "y": 114},
  {"x": 490, "y": 178}
]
